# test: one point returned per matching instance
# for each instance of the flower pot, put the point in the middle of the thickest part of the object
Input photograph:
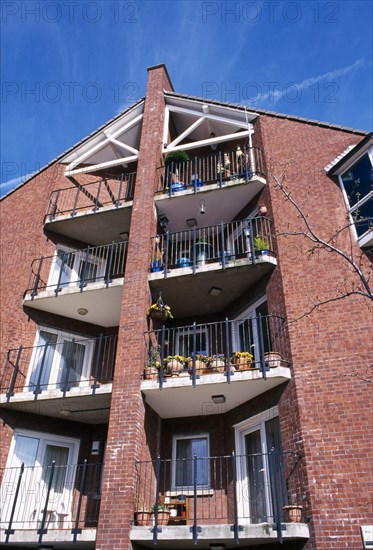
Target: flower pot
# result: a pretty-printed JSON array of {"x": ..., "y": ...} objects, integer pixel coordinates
[
  {"x": 158, "y": 315},
  {"x": 151, "y": 373},
  {"x": 203, "y": 250},
  {"x": 177, "y": 186},
  {"x": 163, "y": 517},
  {"x": 200, "y": 366},
  {"x": 142, "y": 518},
  {"x": 273, "y": 359},
  {"x": 156, "y": 266},
  {"x": 217, "y": 365},
  {"x": 293, "y": 513},
  {"x": 183, "y": 262},
  {"x": 241, "y": 363},
  {"x": 174, "y": 367}
]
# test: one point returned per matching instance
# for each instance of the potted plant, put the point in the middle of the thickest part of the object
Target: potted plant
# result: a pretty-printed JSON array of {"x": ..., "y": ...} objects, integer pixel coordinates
[
  {"x": 242, "y": 360},
  {"x": 201, "y": 362},
  {"x": 273, "y": 359},
  {"x": 173, "y": 162},
  {"x": 261, "y": 246},
  {"x": 160, "y": 311},
  {"x": 217, "y": 362},
  {"x": 174, "y": 364},
  {"x": 153, "y": 363},
  {"x": 203, "y": 249},
  {"x": 293, "y": 511},
  {"x": 163, "y": 514},
  {"x": 142, "y": 516}
]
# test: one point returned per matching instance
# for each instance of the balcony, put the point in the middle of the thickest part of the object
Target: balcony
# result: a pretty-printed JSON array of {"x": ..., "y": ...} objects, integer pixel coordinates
[
  {"x": 252, "y": 499},
  {"x": 94, "y": 213},
  {"x": 200, "y": 258},
  {"x": 80, "y": 283},
  {"x": 35, "y": 379},
  {"x": 55, "y": 504},
  {"x": 218, "y": 179},
  {"x": 235, "y": 360}
]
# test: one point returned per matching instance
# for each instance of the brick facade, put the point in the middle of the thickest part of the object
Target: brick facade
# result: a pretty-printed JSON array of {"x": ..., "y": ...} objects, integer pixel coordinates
[{"x": 324, "y": 409}]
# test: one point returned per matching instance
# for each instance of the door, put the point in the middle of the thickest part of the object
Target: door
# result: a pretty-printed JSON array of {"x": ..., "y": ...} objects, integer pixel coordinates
[
  {"x": 251, "y": 333},
  {"x": 261, "y": 486},
  {"x": 70, "y": 266},
  {"x": 59, "y": 360},
  {"x": 37, "y": 453}
]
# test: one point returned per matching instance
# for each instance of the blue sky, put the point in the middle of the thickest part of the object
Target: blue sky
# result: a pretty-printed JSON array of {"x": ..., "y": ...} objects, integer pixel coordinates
[{"x": 68, "y": 66}]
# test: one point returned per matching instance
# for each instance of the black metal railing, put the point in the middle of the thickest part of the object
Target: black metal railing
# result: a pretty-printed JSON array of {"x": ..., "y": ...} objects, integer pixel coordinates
[
  {"x": 78, "y": 268},
  {"x": 222, "y": 243},
  {"x": 217, "y": 168},
  {"x": 62, "y": 363},
  {"x": 90, "y": 197},
  {"x": 41, "y": 498},
  {"x": 197, "y": 491},
  {"x": 221, "y": 347}
]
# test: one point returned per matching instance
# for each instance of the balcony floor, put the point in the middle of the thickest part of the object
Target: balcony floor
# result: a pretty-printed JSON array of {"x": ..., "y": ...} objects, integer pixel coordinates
[
  {"x": 79, "y": 405},
  {"x": 95, "y": 228},
  {"x": 179, "y": 398},
  {"x": 59, "y": 539},
  {"x": 103, "y": 304},
  {"x": 187, "y": 293},
  {"x": 174, "y": 537}
]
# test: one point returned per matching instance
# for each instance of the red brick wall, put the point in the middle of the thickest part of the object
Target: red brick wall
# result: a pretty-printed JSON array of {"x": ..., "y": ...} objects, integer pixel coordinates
[
  {"x": 127, "y": 410},
  {"x": 326, "y": 409}
]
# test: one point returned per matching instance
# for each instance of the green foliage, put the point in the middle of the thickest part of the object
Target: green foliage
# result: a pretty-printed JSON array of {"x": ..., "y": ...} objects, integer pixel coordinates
[
  {"x": 260, "y": 244},
  {"x": 176, "y": 157}
]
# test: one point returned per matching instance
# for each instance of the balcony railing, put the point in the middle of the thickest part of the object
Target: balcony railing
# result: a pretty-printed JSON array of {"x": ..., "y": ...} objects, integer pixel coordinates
[
  {"x": 248, "y": 239},
  {"x": 61, "y": 365},
  {"x": 41, "y": 498},
  {"x": 223, "y": 347},
  {"x": 90, "y": 197},
  {"x": 235, "y": 490},
  {"x": 217, "y": 168},
  {"x": 77, "y": 268}
]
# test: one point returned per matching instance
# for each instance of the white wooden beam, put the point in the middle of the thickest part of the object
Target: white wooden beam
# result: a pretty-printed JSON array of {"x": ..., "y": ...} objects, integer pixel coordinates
[
  {"x": 100, "y": 166},
  {"x": 123, "y": 145},
  {"x": 210, "y": 141},
  {"x": 165, "y": 124},
  {"x": 187, "y": 131},
  {"x": 209, "y": 116}
]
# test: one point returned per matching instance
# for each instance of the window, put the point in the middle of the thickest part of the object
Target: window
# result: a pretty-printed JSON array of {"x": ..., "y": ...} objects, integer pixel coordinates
[
  {"x": 260, "y": 472},
  {"x": 37, "y": 451},
  {"x": 185, "y": 449},
  {"x": 59, "y": 360},
  {"x": 248, "y": 335},
  {"x": 357, "y": 186},
  {"x": 185, "y": 341},
  {"x": 69, "y": 266}
]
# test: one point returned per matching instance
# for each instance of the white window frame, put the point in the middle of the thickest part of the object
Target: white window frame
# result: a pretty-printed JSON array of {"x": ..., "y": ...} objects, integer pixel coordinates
[
  {"x": 242, "y": 429},
  {"x": 363, "y": 239},
  {"x": 247, "y": 313},
  {"x": 238, "y": 232},
  {"x": 63, "y": 505},
  {"x": 53, "y": 381},
  {"x": 180, "y": 334},
  {"x": 187, "y": 488},
  {"x": 74, "y": 279}
]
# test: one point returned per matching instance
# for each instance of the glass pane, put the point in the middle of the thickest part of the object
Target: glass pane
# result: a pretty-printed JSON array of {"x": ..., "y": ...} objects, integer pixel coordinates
[
  {"x": 185, "y": 451},
  {"x": 358, "y": 180},
  {"x": 72, "y": 355},
  {"x": 60, "y": 455},
  {"x": 276, "y": 466},
  {"x": 263, "y": 310},
  {"x": 25, "y": 451},
  {"x": 64, "y": 265},
  {"x": 90, "y": 270},
  {"x": 246, "y": 336},
  {"x": 255, "y": 473},
  {"x": 43, "y": 359},
  {"x": 361, "y": 215}
]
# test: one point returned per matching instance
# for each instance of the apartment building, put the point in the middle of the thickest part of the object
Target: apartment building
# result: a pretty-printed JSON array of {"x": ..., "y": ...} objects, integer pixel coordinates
[{"x": 166, "y": 378}]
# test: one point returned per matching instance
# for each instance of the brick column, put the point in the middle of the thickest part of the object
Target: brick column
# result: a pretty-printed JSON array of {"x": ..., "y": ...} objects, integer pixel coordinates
[{"x": 127, "y": 410}]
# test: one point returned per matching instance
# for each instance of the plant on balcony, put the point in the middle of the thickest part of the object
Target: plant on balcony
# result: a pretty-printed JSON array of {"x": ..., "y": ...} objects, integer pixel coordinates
[
  {"x": 163, "y": 513},
  {"x": 294, "y": 510},
  {"x": 173, "y": 162},
  {"x": 174, "y": 364},
  {"x": 159, "y": 310},
  {"x": 216, "y": 362},
  {"x": 142, "y": 516},
  {"x": 153, "y": 363},
  {"x": 242, "y": 359},
  {"x": 201, "y": 362},
  {"x": 261, "y": 246},
  {"x": 273, "y": 359}
]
